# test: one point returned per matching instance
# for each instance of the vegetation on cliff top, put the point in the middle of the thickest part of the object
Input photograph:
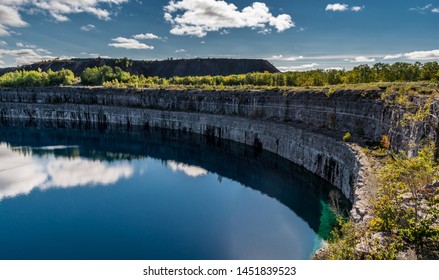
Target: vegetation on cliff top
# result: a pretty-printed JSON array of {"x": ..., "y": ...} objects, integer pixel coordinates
[
  {"x": 38, "y": 78},
  {"x": 116, "y": 77}
]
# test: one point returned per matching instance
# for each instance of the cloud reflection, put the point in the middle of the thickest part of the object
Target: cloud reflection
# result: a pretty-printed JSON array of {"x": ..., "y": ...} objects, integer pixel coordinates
[
  {"x": 190, "y": 170},
  {"x": 21, "y": 173}
]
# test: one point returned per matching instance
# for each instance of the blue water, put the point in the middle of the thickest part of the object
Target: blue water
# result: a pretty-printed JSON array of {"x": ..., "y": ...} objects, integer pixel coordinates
[{"x": 94, "y": 195}]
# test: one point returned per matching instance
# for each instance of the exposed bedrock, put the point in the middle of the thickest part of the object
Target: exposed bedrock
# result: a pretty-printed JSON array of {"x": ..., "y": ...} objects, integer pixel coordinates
[{"x": 305, "y": 127}]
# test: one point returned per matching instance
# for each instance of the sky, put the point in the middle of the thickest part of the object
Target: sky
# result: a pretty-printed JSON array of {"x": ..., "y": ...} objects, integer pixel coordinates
[{"x": 292, "y": 34}]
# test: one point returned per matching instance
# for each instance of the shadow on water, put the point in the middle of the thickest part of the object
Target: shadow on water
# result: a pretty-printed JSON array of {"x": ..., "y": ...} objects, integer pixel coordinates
[{"x": 310, "y": 197}]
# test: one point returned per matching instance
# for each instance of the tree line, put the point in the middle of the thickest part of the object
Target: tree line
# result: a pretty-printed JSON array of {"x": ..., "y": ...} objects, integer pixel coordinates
[
  {"x": 108, "y": 76},
  {"x": 23, "y": 78}
]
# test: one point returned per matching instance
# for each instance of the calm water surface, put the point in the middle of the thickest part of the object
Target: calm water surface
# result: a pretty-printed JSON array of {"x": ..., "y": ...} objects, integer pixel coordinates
[{"x": 72, "y": 194}]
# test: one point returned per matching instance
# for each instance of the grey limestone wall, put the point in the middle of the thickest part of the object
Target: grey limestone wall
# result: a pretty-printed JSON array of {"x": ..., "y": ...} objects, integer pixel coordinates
[{"x": 359, "y": 112}]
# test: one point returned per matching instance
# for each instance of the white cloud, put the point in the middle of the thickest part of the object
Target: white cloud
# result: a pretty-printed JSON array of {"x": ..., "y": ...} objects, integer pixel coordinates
[
  {"x": 192, "y": 171},
  {"x": 146, "y": 36},
  {"x": 21, "y": 45},
  {"x": 361, "y": 59},
  {"x": 125, "y": 43},
  {"x": 393, "y": 56},
  {"x": 339, "y": 57},
  {"x": 416, "y": 55},
  {"x": 20, "y": 52},
  {"x": 264, "y": 31},
  {"x": 24, "y": 60},
  {"x": 337, "y": 7},
  {"x": 41, "y": 50},
  {"x": 357, "y": 8},
  {"x": 422, "y": 55},
  {"x": 2, "y": 62},
  {"x": 90, "y": 54},
  {"x": 287, "y": 58},
  {"x": 14, "y": 2},
  {"x": 198, "y": 17},
  {"x": 3, "y": 43},
  {"x": 57, "y": 9},
  {"x": 180, "y": 51},
  {"x": 9, "y": 17},
  {"x": 424, "y": 9},
  {"x": 21, "y": 174},
  {"x": 88, "y": 27},
  {"x": 299, "y": 67},
  {"x": 334, "y": 68},
  {"x": 27, "y": 56},
  {"x": 294, "y": 58},
  {"x": 95, "y": 55}
]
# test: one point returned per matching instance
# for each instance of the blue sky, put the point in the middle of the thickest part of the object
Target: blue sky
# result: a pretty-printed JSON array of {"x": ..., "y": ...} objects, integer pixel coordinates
[{"x": 292, "y": 34}]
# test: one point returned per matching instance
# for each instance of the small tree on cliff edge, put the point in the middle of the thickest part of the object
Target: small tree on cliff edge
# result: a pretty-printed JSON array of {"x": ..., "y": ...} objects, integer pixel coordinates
[{"x": 427, "y": 114}]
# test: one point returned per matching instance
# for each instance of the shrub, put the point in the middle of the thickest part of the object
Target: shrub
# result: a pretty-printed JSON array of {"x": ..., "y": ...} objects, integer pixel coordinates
[
  {"x": 405, "y": 207},
  {"x": 22, "y": 78},
  {"x": 384, "y": 142},
  {"x": 347, "y": 137}
]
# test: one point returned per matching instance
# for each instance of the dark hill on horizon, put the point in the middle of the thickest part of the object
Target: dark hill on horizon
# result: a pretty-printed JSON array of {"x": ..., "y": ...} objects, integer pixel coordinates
[{"x": 164, "y": 68}]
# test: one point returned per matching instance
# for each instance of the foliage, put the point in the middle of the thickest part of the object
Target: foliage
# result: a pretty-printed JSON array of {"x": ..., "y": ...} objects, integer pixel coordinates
[
  {"x": 352, "y": 241},
  {"x": 379, "y": 73},
  {"x": 330, "y": 92},
  {"x": 97, "y": 76},
  {"x": 62, "y": 77},
  {"x": 403, "y": 72},
  {"x": 405, "y": 206},
  {"x": 346, "y": 137},
  {"x": 21, "y": 78},
  {"x": 420, "y": 114},
  {"x": 384, "y": 142},
  {"x": 405, "y": 214},
  {"x": 342, "y": 244}
]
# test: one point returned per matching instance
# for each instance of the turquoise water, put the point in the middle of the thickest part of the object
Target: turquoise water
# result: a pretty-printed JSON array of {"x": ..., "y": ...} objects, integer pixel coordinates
[{"x": 72, "y": 194}]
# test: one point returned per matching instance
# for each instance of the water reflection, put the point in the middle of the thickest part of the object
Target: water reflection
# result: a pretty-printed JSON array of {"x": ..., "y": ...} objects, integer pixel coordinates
[
  {"x": 189, "y": 170},
  {"x": 21, "y": 171},
  {"x": 169, "y": 195}
]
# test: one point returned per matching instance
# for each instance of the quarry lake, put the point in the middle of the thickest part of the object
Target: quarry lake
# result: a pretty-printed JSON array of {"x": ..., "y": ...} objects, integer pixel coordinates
[{"x": 154, "y": 194}]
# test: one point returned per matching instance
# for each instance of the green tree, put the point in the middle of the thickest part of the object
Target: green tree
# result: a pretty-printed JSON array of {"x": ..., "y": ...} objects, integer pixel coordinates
[
  {"x": 91, "y": 76},
  {"x": 429, "y": 71}
]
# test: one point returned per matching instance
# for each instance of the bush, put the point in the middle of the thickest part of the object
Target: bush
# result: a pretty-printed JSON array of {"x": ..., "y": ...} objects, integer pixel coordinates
[
  {"x": 384, "y": 142},
  {"x": 405, "y": 207},
  {"x": 347, "y": 137},
  {"x": 62, "y": 77},
  {"x": 22, "y": 78},
  {"x": 342, "y": 244}
]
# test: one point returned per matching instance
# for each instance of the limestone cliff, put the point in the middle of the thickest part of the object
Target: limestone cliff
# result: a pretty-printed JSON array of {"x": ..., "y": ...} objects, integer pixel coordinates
[{"x": 303, "y": 127}]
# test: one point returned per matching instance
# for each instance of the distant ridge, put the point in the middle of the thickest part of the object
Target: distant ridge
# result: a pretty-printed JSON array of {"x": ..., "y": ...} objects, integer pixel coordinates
[{"x": 164, "y": 68}]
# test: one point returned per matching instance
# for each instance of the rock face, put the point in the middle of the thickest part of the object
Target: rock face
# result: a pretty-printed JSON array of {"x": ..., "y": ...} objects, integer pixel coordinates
[{"x": 305, "y": 128}]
